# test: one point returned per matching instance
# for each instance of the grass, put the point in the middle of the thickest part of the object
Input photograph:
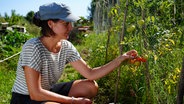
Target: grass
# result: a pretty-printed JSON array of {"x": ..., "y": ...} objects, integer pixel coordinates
[
  {"x": 69, "y": 74},
  {"x": 6, "y": 81}
]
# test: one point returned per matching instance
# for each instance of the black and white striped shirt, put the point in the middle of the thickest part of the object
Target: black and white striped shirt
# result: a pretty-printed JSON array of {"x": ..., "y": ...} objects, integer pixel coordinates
[{"x": 48, "y": 64}]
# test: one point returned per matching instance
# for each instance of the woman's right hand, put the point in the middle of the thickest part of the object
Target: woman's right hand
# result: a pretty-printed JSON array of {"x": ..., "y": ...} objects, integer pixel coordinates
[
  {"x": 81, "y": 100},
  {"x": 130, "y": 54}
]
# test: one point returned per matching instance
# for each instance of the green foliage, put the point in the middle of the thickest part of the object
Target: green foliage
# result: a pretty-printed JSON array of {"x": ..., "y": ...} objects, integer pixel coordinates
[
  {"x": 7, "y": 76},
  {"x": 153, "y": 28},
  {"x": 11, "y": 42},
  {"x": 16, "y": 19},
  {"x": 2, "y": 20},
  {"x": 164, "y": 67},
  {"x": 69, "y": 74},
  {"x": 14, "y": 39},
  {"x": 93, "y": 52},
  {"x": 33, "y": 29},
  {"x": 95, "y": 48},
  {"x": 77, "y": 35},
  {"x": 29, "y": 16}
]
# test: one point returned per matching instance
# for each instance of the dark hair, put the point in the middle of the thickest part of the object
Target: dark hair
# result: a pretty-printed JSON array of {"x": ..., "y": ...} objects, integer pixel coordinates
[{"x": 45, "y": 29}]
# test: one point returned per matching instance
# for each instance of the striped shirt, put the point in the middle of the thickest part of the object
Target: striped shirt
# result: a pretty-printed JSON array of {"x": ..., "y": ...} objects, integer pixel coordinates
[{"x": 49, "y": 65}]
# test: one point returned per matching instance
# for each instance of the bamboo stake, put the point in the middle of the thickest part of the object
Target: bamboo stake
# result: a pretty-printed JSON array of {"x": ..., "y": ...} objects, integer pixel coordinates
[
  {"x": 123, "y": 28},
  {"x": 174, "y": 10},
  {"x": 147, "y": 74},
  {"x": 109, "y": 32},
  {"x": 109, "y": 28},
  {"x": 121, "y": 51}
]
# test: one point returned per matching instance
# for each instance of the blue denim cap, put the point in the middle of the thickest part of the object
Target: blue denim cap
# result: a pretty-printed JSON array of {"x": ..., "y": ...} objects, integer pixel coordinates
[{"x": 56, "y": 11}]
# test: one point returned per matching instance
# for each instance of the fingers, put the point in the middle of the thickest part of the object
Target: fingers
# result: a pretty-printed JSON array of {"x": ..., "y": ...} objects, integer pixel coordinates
[
  {"x": 132, "y": 54},
  {"x": 81, "y": 100}
]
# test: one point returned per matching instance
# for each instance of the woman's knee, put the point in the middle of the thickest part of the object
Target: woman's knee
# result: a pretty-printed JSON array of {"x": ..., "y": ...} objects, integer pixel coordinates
[
  {"x": 94, "y": 86},
  {"x": 84, "y": 88}
]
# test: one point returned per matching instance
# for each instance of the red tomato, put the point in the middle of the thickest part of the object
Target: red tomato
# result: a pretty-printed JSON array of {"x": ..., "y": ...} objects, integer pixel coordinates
[{"x": 143, "y": 59}]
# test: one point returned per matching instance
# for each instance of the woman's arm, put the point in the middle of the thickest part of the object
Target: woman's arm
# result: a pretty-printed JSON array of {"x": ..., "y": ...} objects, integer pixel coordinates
[
  {"x": 98, "y": 72},
  {"x": 39, "y": 94},
  {"x": 35, "y": 90}
]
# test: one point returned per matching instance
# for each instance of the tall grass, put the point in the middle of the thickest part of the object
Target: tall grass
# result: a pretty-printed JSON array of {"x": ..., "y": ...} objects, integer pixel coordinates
[{"x": 7, "y": 76}]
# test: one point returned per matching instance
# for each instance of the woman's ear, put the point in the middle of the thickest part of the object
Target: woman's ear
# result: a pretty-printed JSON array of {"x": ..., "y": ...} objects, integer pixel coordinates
[{"x": 50, "y": 23}]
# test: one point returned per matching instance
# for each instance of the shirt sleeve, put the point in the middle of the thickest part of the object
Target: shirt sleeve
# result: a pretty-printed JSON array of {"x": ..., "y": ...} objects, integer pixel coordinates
[
  {"x": 72, "y": 53},
  {"x": 30, "y": 56}
]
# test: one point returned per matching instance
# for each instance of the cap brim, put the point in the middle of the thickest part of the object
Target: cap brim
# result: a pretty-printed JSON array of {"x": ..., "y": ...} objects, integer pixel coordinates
[{"x": 70, "y": 18}]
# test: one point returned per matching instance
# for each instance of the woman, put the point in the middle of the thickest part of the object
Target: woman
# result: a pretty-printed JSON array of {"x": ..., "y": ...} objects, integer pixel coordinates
[{"x": 42, "y": 61}]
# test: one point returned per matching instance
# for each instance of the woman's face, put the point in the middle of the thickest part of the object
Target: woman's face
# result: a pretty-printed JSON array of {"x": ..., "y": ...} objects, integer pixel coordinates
[{"x": 61, "y": 28}]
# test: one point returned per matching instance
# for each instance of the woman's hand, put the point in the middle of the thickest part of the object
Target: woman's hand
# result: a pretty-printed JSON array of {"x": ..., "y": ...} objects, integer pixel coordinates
[
  {"x": 130, "y": 54},
  {"x": 81, "y": 101}
]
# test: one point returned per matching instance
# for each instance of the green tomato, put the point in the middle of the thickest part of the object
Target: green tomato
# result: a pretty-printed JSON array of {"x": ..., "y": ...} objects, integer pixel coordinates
[
  {"x": 179, "y": 32},
  {"x": 141, "y": 22},
  {"x": 137, "y": 63},
  {"x": 131, "y": 28}
]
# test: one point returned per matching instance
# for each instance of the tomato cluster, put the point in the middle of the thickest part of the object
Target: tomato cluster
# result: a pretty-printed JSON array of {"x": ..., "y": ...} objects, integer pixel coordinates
[
  {"x": 141, "y": 59},
  {"x": 137, "y": 60}
]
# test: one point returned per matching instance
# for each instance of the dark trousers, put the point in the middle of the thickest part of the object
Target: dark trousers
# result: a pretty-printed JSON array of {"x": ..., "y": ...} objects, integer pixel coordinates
[
  {"x": 61, "y": 88},
  {"x": 23, "y": 99}
]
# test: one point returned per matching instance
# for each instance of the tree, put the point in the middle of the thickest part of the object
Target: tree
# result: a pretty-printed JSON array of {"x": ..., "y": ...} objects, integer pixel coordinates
[
  {"x": 91, "y": 10},
  {"x": 29, "y": 16},
  {"x": 2, "y": 19},
  {"x": 15, "y": 19}
]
